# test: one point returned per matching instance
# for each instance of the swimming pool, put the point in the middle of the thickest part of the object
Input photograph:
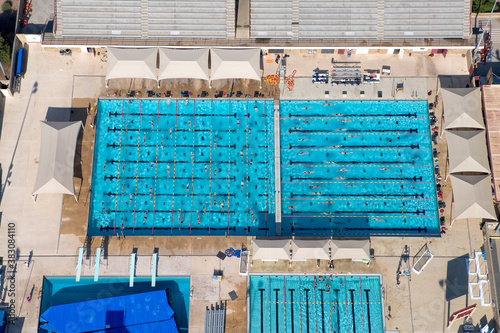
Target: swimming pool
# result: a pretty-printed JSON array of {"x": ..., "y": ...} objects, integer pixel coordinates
[
  {"x": 62, "y": 290},
  {"x": 183, "y": 167},
  {"x": 315, "y": 303},
  {"x": 357, "y": 168},
  {"x": 206, "y": 167}
]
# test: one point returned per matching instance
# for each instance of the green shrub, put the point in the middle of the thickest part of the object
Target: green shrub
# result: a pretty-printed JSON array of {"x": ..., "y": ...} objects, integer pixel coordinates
[
  {"x": 6, "y": 6},
  {"x": 5, "y": 51},
  {"x": 485, "y": 5}
]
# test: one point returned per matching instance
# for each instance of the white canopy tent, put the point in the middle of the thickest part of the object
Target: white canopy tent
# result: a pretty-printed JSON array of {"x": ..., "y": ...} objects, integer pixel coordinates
[
  {"x": 128, "y": 63},
  {"x": 310, "y": 249},
  {"x": 271, "y": 249},
  {"x": 467, "y": 151},
  {"x": 462, "y": 108},
  {"x": 57, "y": 154},
  {"x": 183, "y": 64},
  {"x": 472, "y": 197},
  {"x": 350, "y": 249},
  {"x": 235, "y": 64}
]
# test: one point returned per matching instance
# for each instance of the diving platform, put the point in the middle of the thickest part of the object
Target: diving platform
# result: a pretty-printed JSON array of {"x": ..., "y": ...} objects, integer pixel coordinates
[
  {"x": 133, "y": 256},
  {"x": 79, "y": 263},
  {"x": 97, "y": 263},
  {"x": 154, "y": 266}
]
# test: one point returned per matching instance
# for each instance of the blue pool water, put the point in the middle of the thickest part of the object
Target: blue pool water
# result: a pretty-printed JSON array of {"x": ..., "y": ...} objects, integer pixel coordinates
[
  {"x": 59, "y": 290},
  {"x": 206, "y": 167},
  {"x": 306, "y": 303},
  {"x": 176, "y": 167},
  {"x": 357, "y": 168}
]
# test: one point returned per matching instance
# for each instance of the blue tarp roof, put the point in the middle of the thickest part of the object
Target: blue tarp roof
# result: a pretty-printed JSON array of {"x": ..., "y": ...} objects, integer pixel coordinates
[
  {"x": 136, "y": 313},
  {"x": 2, "y": 318}
]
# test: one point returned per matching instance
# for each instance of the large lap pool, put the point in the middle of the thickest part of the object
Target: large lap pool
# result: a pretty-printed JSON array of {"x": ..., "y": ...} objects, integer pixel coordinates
[
  {"x": 206, "y": 167},
  {"x": 183, "y": 167},
  {"x": 357, "y": 168}
]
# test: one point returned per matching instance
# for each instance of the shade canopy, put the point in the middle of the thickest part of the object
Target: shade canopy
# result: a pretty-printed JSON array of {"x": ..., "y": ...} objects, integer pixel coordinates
[
  {"x": 350, "y": 249},
  {"x": 129, "y": 63},
  {"x": 57, "y": 154},
  {"x": 183, "y": 64},
  {"x": 462, "y": 108},
  {"x": 267, "y": 249},
  {"x": 472, "y": 197},
  {"x": 310, "y": 249},
  {"x": 235, "y": 64},
  {"x": 467, "y": 151}
]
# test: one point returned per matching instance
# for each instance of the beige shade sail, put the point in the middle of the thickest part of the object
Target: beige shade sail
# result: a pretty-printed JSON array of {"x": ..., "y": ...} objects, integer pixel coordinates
[
  {"x": 472, "y": 197},
  {"x": 57, "y": 154},
  {"x": 235, "y": 64},
  {"x": 462, "y": 108},
  {"x": 132, "y": 63},
  {"x": 467, "y": 151},
  {"x": 271, "y": 249},
  {"x": 350, "y": 249},
  {"x": 183, "y": 64},
  {"x": 310, "y": 249}
]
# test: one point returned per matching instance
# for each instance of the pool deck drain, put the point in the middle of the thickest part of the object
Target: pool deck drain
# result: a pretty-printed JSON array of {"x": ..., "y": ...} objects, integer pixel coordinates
[{"x": 277, "y": 167}]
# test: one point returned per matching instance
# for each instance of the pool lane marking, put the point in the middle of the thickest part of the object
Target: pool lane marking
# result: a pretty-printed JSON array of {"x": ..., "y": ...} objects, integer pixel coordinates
[
  {"x": 354, "y": 165},
  {"x": 346, "y": 310},
  {"x": 300, "y": 309},
  {"x": 284, "y": 301},
  {"x": 265, "y": 159},
  {"x": 173, "y": 174},
  {"x": 330, "y": 302},
  {"x": 246, "y": 135},
  {"x": 118, "y": 175},
  {"x": 399, "y": 157},
  {"x": 229, "y": 169},
  {"x": 353, "y": 149},
  {"x": 137, "y": 167},
  {"x": 210, "y": 172},
  {"x": 192, "y": 169},
  {"x": 355, "y": 133},
  {"x": 356, "y": 303},
  {"x": 269, "y": 307},
  {"x": 355, "y": 182},
  {"x": 156, "y": 168},
  {"x": 315, "y": 308},
  {"x": 326, "y": 216},
  {"x": 364, "y": 199},
  {"x": 362, "y": 310}
]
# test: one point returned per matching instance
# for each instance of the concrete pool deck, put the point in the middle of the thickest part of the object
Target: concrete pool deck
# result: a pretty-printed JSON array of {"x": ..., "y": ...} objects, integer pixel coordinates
[{"x": 54, "y": 228}]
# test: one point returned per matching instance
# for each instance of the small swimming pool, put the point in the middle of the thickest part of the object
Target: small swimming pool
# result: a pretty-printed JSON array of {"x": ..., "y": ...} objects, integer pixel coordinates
[
  {"x": 62, "y": 290},
  {"x": 357, "y": 168},
  {"x": 183, "y": 167},
  {"x": 315, "y": 303}
]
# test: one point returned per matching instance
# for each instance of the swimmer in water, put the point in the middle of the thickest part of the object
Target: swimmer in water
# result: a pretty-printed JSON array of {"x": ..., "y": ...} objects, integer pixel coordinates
[
  {"x": 255, "y": 108},
  {"x": 304, "y": 139},
  {"x": 348, "y": 185},
  {"x": 308, "y": 172},
  {"x": 384, "y": 169},
  {"x": 336, "y": 114},
  {"x": 336, "y": 146},
  {"x": 327, "y": 104},
  {"x": 168, "y": 170},
  {"x": 315, "y": 193},
  {"x": 307, "y": 122},
  {"x": 222, "y": 205},
  {"x": 152, "y": 124},
  {"x": 292, "y": 207},
  {"x": 378, "y": 220},
  {"x": 242, "y": 185},
  {"x": 206, "y": 168},
  {"x": 343, "y": 170},
  {"x": 303, "y": 153},
  {"x": 170, "y": 133},
  {"x": 306, "y": 107},
  {"x": 315, "y": 186},
  {"x": 187, "y": 187},
  {"x": 339, "y": 178}
]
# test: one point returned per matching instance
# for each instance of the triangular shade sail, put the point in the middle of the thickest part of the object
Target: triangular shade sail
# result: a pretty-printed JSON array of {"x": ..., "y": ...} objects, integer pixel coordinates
[
  {"x": 472, "y": 197},
  {"x": 235, "y": 64},
  {"x": 275, "y": 249},
  {"x": 467, "y": 151},
  {"x": 183, "y": 64},
  {"x": 462, "y": 108},
  {"x": 128, "y": 63},
  {"x": 310, "y": 249},
  {"x": 57, "y": 154},
  {"x": 350, "y": 249}
]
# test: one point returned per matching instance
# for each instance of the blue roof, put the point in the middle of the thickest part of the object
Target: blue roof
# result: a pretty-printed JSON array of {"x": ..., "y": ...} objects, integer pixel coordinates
[
  {"x": 3, "y": 315},
  {"x": 136, "y": 313}
]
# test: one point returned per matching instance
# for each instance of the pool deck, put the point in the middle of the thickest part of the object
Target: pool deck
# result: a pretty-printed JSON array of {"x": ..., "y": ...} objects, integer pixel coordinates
[{"x": 54, "y": 228}]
